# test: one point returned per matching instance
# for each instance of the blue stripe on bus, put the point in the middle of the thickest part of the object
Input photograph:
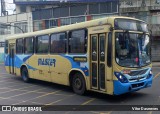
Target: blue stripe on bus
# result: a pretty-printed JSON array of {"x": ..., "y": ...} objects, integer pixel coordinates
[
  {"x": 18, "y": 61},
  {"x": 21, "y": 59},
  {"x": 6, "y": 60},
  {"x": 30, "y": 67},
  {"x": 26, "y": 58}
]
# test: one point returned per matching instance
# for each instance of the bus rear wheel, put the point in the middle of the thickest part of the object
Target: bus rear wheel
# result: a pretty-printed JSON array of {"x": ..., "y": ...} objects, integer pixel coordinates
[
  {"x": 78, "y": 84},
  {"x": 24, "y": 74}
]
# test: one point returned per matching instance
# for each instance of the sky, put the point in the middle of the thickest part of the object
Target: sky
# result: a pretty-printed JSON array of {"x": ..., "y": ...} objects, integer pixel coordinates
[{"x": 10, "y": 6}]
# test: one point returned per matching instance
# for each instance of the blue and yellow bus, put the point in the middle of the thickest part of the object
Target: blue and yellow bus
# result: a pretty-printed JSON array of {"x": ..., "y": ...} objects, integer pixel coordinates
[{"x": 110, "y": 55}]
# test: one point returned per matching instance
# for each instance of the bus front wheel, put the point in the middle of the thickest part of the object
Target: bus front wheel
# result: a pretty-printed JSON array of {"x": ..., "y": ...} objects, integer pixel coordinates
[
  {"x": 78, "y": 84},
  {"x": 24, "y": 74}
]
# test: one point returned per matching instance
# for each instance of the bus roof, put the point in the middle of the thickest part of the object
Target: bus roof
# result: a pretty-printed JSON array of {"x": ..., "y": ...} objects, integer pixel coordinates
[{"x": 80, "y": 25}]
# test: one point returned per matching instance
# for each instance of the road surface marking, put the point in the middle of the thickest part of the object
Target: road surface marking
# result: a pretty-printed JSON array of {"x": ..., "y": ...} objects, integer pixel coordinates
[
  {"x": 9, "y": 87},
  {"x": 39, "y": 96},
  {"x": 88, "y": 101},
  {"x": 106, "y": 112},
  {"x": 2, "y": 98},
  {"x": 17, "y": 89},
  {"x": 156, "y": 75},
  {"x": 150, "y": 112},
  {"x": 58, "y": 100},
  {"x": 24, "y": 93},
  {"x": 48, "y": 94},
  {"x": 7, "y": 82},
  {"x": 96, "y": 112},
  {"x": 54, "y": 102}
]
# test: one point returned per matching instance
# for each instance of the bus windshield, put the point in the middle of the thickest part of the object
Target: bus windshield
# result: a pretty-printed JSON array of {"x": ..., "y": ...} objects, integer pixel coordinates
[
  {"x": 132, "y": 49},
  {"x": 127, "y": 24}
]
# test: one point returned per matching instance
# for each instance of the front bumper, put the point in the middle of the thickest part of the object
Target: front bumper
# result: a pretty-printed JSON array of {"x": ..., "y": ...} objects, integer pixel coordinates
[{"x": 121, "y": 88}]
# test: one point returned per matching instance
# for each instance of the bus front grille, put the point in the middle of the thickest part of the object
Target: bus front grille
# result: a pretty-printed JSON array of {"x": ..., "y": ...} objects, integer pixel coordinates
[
  {"x": 135, "y": 79},
  {"x": 140, "y": 72}
]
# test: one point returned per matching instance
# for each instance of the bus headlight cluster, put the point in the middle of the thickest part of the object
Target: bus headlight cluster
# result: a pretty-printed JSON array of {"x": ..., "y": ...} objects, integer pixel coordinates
[
  {"x": 121, "y": 77},
  {"x": 150, "y": 74}
]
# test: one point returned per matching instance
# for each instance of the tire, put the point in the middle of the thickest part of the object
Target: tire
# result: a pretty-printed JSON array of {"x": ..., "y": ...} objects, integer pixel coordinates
[
  {"x": 24, "y": 74},
  {"x": 78, "y": 84}
]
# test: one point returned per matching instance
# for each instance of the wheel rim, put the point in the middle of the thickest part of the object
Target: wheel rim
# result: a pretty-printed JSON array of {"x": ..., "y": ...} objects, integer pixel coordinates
[{"x": 78, "y": 83}]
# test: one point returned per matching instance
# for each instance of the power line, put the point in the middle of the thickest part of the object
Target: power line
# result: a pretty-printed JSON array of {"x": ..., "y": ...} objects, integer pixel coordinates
[{"x": 4, "y": 24}]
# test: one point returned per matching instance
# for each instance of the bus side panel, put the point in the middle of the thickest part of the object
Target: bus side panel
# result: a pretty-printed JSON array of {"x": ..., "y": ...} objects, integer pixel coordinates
[
  {"x": 69, "y": 63},
  {"x": 39, "y": 67},
  {"x": 59, "y": 70},
  {"x": 18, "y": 71},
  {"x": 7, "y": 69}
]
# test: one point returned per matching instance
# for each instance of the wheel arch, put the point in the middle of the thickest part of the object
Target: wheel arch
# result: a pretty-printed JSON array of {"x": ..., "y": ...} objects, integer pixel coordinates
[{"x": 74, "y": 71}]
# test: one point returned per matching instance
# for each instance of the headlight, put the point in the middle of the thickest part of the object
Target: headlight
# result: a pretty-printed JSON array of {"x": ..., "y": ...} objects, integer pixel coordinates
[
  {"x": 120, "y": 77},
  {"x": 150, "y": 74}
]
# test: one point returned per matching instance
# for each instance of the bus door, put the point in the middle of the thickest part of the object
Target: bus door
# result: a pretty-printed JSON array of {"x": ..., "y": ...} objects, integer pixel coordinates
[
  {"x": 98, "y": 61},
  {"x": 11, "y": 58}
]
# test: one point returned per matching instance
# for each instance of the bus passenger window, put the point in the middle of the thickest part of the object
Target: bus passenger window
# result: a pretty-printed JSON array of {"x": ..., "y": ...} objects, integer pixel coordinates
[
  {"x": 42, "y": 44},
  {"x": 19, "y": 46},
  {"x": 77, "y": 41},
  {"x": 58, "y": 43},
  {"x": 28, "y": 45}
]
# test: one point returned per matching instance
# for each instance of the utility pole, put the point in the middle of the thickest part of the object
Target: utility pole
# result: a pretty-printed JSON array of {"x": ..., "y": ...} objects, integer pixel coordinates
[{"x": 1, "y": 8}]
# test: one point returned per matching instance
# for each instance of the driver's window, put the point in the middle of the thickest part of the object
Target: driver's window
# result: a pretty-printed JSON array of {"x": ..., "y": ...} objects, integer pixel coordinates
[{"x": 121, "y": 45}]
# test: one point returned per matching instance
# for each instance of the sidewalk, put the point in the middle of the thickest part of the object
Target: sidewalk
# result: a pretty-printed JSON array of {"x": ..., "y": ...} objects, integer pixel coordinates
[{"x": 156, "y": 64}]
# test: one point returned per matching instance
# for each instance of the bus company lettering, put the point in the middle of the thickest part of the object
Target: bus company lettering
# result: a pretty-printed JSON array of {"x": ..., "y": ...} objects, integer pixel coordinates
[{"x": 47, "y": 62}]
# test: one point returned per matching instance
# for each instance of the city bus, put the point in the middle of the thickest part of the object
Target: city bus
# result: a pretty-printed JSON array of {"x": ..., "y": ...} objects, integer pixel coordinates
[{"x": 111, "y": 55}]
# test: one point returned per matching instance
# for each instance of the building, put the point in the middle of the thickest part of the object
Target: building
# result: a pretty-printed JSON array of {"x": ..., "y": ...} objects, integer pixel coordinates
[
  {"x": 149, "y": 11},
  {"x": 34, "y": 15},
  {"x": 48, "y": 14}
]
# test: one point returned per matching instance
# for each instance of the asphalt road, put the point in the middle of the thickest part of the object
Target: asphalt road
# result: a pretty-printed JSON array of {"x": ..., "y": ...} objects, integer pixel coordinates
[{"x": 13, "y": 91}]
